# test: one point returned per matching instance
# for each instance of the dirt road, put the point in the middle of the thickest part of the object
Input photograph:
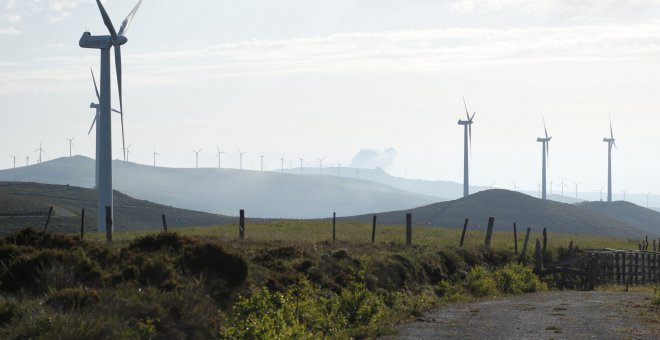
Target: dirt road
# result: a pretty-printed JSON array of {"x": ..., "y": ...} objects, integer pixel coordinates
[{"x": 549, "y": 315}]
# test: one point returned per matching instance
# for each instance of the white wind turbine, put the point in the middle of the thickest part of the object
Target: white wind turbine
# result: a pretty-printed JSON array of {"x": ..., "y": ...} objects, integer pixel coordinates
[
  {"x": 197, "y": 157},
  {"x": 467, "y": 136},
  {"x": 41, "y": 150},
  {"x": 240, "y": 160},
  {"x": 219, "y": 157},
  {"x": 610, "y": 142},
  {"x": 301, "y": 164},
  {"x": 262, "y": 162},
  {"x": 546, "y": 152},
  {"x": 282, "y": 164},
  {"x": 105, "y": 43},
  {"x": 14, "y": 157},
  {"x": 70, "y": 145},
  {"x": 27, "y": 160},
  {"x": 320, "y": 164},
  {"x": 155, "y": 154},
  {"x": 127, "y": 152}
]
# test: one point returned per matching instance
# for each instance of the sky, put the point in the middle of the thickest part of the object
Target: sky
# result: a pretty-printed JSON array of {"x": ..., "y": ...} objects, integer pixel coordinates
[{"x": 345, "y": 78}]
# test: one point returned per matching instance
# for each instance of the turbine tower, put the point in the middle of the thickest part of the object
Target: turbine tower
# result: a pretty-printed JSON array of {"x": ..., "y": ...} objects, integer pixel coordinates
[
  {"x": 320, "y": 164},
  {"x": 282, "y": 164},
  {"x": 610, "y": 142},
  {"x": 14, "y": 157},
  {"x": 262, "y": 162},
  {"x": 197, "y": 157},
  {"x": 339, "y": 169},
  {"x": 545, "y": 150},
  {"x": 41, "y": 150},
  {"x": 240, "y": 160},
  {"x": 647, "y": 198},
  {"x": 70, "y": 144},
  {"x": 467, "y": 146},
  {"x": 219, "y": 157},
  {"x": 301, "y": 165},
  {"x": 127, "y": 152},
  {"x": 104, "y": 43},
  {"x": 155, "y": 154}
]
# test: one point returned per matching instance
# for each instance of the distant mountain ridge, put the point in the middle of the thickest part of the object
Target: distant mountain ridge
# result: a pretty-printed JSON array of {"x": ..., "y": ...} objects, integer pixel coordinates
[
  {"x": 225, "y": 191},
  {"x": 508, "y": 207}
]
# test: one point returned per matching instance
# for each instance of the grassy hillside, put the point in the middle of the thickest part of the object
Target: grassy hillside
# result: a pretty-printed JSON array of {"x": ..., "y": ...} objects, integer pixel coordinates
[
  {"x": 643, "y": 219},
  {"x": 26, "y": 205},
  {"x": 508, "y": 207}
]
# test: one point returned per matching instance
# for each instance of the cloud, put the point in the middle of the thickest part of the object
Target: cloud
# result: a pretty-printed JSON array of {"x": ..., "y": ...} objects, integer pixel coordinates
[
  {"x": 11, "y": 17},
  {"x": 9, "y": 31},
  {"x": 540, "y": 7},
  {"x": 371, "y": 158}
]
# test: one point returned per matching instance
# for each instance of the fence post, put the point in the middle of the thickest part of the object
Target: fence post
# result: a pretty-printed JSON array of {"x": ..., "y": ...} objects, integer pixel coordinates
[
  {"x": 545, "y": 239},
  {"x": 515, "y": 238},
  {"x": 241, "y": 225},
  {"x": 489, "y": 232},
  {"x": 82, "y": 225},
  {"x": 654, "y": 248},
  {"x": 50, "y": 212},
  {"x": 463, "y": 234},
  {"x": 334, "y": 226},
  {"x": 373, "y": 230},
  {"x": 524, "y": 250},
  {"x": 408, "y": 229},
  {"x": 164, "y": 222},
  {"x": 108, "y": 224},
  {"x": 538, "y": 258}
]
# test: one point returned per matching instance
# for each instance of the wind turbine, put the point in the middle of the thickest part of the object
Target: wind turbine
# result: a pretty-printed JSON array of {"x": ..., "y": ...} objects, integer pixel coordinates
[
  {"x": 27, "y": 160},
  {"x": 320, "y": 164},
  {"x": 197, "y": 157},
  {"x": 104, "y": 43},
  {"x": 339, "y": 169},
  {"x": 282, "y": 163},
  {"x": 562, "y": 186},
  {"x": 262, "y": 162},
  {"x": 240, "y": 162},
  {"x": 515, "y": 187},
  {"x": 624, "y": 193},
  {"x": 610, "y": 142},
  {"x": 70, "y": 144},
  {"x": 467, "y": 136},
  {"x": 600, "y": 191},
  {"x": 127, "y": 152},
  {"x": 41, "y": 150},
  {"x": 576, "y": 188},
  {"x": 546, "y": 152},
  {"x": 647, "y": 198},
  {"x": 301, "y": 165},
  {"x": 155, "y": 154},
  {"x": 14, "y": 157},
  {"x": 219, "y": 157}
]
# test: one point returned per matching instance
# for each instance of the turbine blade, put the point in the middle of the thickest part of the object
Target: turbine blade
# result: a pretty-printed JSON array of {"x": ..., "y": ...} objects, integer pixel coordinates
[
  {"x": 123, "y": 140},
  {"x": 91, "y": 127},
  {"x": 95, "y": 87},
  {"x": 472, "y": 118},
  {"x": 545, "y": 128},
  {"x": 106, "y": 20},
  {"x": 466, "y": 110},
  {"x": 611, "y": 131},
  {"x": 118, "y": 67},
  {"x": 114, "y": 110},
  {"x": 129, "y": 18}
]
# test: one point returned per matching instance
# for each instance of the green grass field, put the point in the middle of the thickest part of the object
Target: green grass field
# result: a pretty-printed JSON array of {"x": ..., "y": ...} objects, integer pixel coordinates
[{"x": 311, "y": 231}]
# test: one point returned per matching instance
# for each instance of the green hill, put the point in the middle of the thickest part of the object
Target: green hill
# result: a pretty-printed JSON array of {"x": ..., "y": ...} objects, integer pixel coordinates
[{"x": 27, "y": 204}]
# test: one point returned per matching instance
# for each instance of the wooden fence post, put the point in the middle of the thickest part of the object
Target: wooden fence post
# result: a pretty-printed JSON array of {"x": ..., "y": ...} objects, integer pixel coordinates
[
  {"x": 82, "y": 225},
  {"x": 524, "y": 250},
  {"x": 50, "y": 212},
  {"x": 408, "y": 229},
  {"x": 538, "y": 258},
  {"x": 545, "y": 239},
  {"x": 489, "y": 232},
  {"x": 108, "y": 224},
  {"x": 334, "y": 226},
  {"x": 515, "y": 238},
  {"x": 164, "y": 222},
  {"x": 654, "y": 247},
  {"x": 373, "y": 230},
  {"x": 463, "y": 234},
  {"x": 241, "y": 225}
]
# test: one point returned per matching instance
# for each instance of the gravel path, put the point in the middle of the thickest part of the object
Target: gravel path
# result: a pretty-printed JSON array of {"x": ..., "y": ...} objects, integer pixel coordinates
[{"x": 549, "y": 315}]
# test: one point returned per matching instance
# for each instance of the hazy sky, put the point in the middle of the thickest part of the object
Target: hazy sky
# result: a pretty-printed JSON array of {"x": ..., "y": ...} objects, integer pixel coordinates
[{"x": 331, "y": 77}]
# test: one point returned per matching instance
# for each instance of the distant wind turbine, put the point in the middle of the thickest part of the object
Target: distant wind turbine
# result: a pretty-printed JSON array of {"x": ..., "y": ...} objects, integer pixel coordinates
[
  {"x": 27, "y": 160},
  {"x": 14, "y": 157},
  {"x": 610, "y": 142},
  {"x": 600, "y": 191},
  {"x": 467, "y": 145},
  {"x": 155, "y": 154},
  {"x": 282, "y": 163},
  {"x": 262, "y": 162},
  {"x": 70, "y": 144},
  {"x": 562, "y": 184},
  {"x": 576, "y": 188},
  {"x": 197, "y": 158},
  {"x": 647, "y": 198},
  {"x": 219, "y": 157},
  {"x": 301, "y": 165},
  {"x": 339, "y": 169},
  {"x": 41, "y": 150},
  {"x": 515, "y": 187},
  {"x": 127, "y": 152},
  {"x": 624, "y": 193},
  {"x": 320, "y": 164},
  {"x": 240, "y": 162},
  {"x": 546, "y": 152}
]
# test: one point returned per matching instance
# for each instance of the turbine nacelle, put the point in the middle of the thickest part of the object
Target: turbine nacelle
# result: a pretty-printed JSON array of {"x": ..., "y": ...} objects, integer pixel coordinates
[
  {"x": 543, "y": 140},
  {"x": 465, "y": 122},
  {"x": 101, "y": 41}
]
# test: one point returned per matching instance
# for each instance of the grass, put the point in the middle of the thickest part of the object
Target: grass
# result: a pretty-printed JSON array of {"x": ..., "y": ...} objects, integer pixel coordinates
[{"x": 315, "y": 231}]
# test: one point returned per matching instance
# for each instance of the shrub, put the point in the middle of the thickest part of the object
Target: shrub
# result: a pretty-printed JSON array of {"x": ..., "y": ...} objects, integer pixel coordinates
[
  {"x": 30, "y": 237},
  {"x": 212, "y": 259},
  {"x": 406, "y": 303},
  {"x": 158, "y": 273},
  {"x": 359, "y": 306},
  {"x": 516, "y": 278},
  {"x": 655, "y": 300},
  {"x": 448, "y": 291},
  {"x": 480, "y": 281},
  {"x": 160, "y": 242},
  {"x": 9, "y": 309},
  {"x": 69, "y": 299}
]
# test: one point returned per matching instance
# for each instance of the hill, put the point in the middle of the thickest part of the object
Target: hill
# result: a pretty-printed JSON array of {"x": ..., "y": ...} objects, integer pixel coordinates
[
  {"x": 26, "y": 205},
  {"x": 644, "y": 219},
  {"x": 508, "y": 207},
  {"x": 225, "y": 191}
]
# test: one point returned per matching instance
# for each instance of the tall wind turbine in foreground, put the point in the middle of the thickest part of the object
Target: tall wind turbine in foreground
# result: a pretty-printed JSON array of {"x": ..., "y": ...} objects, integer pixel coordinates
[
  {"x": 610, "y": 142},
  {"x": 467, "y": 140},
  {"x": 546, "y": 151},
  {"x": 104, "y": 43}
]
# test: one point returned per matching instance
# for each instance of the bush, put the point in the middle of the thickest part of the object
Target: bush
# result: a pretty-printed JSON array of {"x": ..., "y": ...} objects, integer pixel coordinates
[
  {"x": 516, "y": 278},
  {"x": 70, "y": 299},
  {"x": 9, "y": 309},
  {"x": 360, "y": 307},
  {"x": 158, "y": 273},
  {"x": 212, "y": 259},
  {"x": 160, "y": 242},
  {"x": 480, "y": 281},
  {"x": 30, "y": 237},
  {"x": 655, "y": 300}
]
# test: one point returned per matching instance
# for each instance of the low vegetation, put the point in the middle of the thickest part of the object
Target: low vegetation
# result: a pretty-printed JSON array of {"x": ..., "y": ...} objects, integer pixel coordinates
[{"x": 202, "y": 283}]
